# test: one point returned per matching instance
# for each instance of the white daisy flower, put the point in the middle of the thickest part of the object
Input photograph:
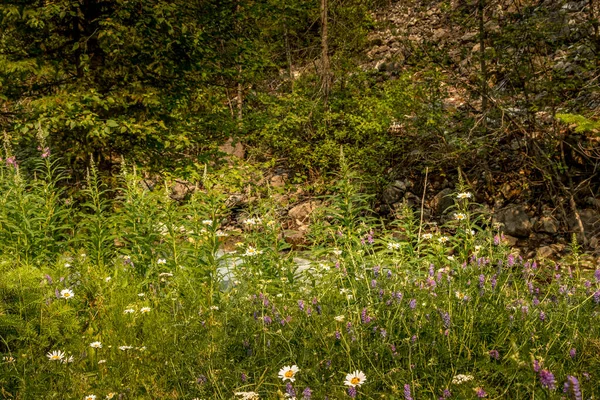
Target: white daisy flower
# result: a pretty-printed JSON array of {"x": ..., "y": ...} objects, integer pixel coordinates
[
  {"x": 141, "y": 294},
  {"x": 90, "y": 397},
  {"x": 337, "y": 252},
  {"x": 427, "y": 236},
  {"x": 464, "y": 195},
  {"x": 107, "y": 279},
  {"x": 443, "y": 239},
  {"x": 111, "y": 395},
  {"x": 220, "y": 233},
  {"x": 56, "y": 355},
  {"x": 251, "y": 251},
  {"x": 123, "y": 348},
  {"x": 165, "y": 274},
  {"x": 288, "y": 373},
  {"x": 339, "y": 318},
  {"x": 355, "y": 379},
  {"x": 460, "y": 216},
  {"x": 68, "y": 360},
  {"x": 128, "y": 311},
  {"x": 393, "y": 246},
  {"x": 207, "y": 222},
  {"x": 66, "y": 294},
  {"x": 161, "y": 261},
  {"x": 101, "y": 361},
  {"x": 96, "y": 345},
  {"x": 145, "y": 310}
]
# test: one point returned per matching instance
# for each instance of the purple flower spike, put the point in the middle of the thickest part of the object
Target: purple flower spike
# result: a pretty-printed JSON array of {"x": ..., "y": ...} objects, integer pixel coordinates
[
  {"x": 412, "y": 304},
  {"x": 547, "y": 379},
  {"x": 352, "y": 392},
  {"x": 289, "y": 389},
  {"x": 407, "y": 394},
  {"x": 480, "y": 392},
  {"x": 572, "y": 352},
  {"x": 572, "y": 388},
  {"x": 306, "y": 394},
  {"x": 597, "y": 275},
  {"x": 494, "y": 354}
]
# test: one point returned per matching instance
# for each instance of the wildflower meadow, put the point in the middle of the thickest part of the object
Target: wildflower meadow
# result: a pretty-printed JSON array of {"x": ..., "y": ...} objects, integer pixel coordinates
[{"x": 125, "y": 293}]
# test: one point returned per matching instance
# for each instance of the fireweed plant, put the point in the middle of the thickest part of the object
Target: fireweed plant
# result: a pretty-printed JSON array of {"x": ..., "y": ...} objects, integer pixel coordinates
[{"x": 130, "y": 294}]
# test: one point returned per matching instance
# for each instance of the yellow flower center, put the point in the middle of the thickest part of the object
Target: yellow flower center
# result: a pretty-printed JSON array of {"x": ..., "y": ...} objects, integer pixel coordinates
[
  {"x": 55, "y": 357},
  {"x": 289, "y": 373},
  {"x": 355, "y": 380}
]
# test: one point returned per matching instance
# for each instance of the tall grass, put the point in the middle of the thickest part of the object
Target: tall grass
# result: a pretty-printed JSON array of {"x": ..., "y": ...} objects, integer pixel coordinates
[{"x": 162, "y": 309}]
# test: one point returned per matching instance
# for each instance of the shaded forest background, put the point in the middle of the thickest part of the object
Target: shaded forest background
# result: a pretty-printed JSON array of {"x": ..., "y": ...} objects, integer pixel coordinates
[{"x": 501, "y": 93}]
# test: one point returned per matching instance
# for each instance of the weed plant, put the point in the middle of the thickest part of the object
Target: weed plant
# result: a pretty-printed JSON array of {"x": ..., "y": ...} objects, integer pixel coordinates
[{"x": 134, "y": 296}]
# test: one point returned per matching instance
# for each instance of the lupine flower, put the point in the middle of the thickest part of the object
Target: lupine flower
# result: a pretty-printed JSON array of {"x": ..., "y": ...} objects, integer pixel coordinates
[
  {"x": 597, "y": 274},
  {"x": 542, "y": 316},
  {"x": 572, "y": 352},
  {"x": 536, "y": 366},
  {"x": 244, "y": 377},
  {"x": 352, "y": 392},
  {"x": 572, "y": 388},
  {"x": 338, "y": 335},
  {"x": 301, "y": 305},
  {"x": 494, "y": 354},
  {"x": 407, "y": 394},
  {"x": 480, "y": 392},
  {"x": 306, "y": 394},
  {"x": 547, "y": 379},
  {"x": 289, "y": 390},
  {"x": 446, "y": 394},
  {"x": 267, "y": 320},
  {"x": 412, "y": 304}
]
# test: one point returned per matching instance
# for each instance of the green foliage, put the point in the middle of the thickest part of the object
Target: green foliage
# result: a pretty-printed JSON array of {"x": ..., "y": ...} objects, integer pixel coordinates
[
  {"x": 581, "y": 123},
  {"x": 182, "y": 316}
]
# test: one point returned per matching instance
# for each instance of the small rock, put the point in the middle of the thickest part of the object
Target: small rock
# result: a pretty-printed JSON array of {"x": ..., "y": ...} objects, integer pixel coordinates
[
  {"x": 295, "y": 238},
  {"x": 301, "y": 212},
  {"x": 278, "y": 180},
  {"x": 515, "y": 220},
  {"x": 547, "y": 225},
  {"x": 394, "y": 192},
  {"x": 544, "y": 252},
  {"x": 510, "y": 240},
  {"x": 442, "y": 201},
  {"x": 235, "y": 149}
]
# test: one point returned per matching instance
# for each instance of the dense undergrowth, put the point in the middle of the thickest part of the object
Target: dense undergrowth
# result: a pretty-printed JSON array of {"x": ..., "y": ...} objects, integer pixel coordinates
[{"x": 131, "y": 295}]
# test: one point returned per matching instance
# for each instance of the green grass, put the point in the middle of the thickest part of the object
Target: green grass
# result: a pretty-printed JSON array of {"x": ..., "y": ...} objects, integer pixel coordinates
[{"x": 395, "y": 301}]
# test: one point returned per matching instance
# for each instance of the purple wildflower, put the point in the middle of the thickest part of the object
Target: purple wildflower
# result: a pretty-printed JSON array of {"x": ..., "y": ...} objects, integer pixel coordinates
[
  {"x": 510, "y": 261},
  {"x": 407, "y": 394},
  {"x": 383, "y": 333},
  {"x": 306, "y": 393},
  {"x": 11, "y": 161},
  {"x": 352, "y": 392},
  {"x": 597, "y": 274},
  {"x": 201, "y": 380},
  {"x": 244, "y": 377},
  {"x": 597, "y": 297},
  {"x": 365, "y": 318},
  {"x": 480, "y": 392},
  {"x": 481, "y": 280},
  {"x": 267, "y": 320},
  {"x": 572, "y": 352},
  {"x": 535, "y": 301},
  {"x": 494, "y": 354},
  {"x": 536, "y": 366},
  {"x": 431, "y": 269},
  {"x": 349, "y": 327},
  {"x": 376, "y": 270},
  {"x": 494, "y": 281},
  {"x": 547, "y": 379},
  {"x": 48, "y": 278},
  {"x": 338, "y": 335},
  {"x": 542, "y": 316},
  {"x": 301, "y": 305},
  {"x": 446, "y": 319},
  {"x": 289, "y": 389},
  {"x": 412, "y": 304},
  {"x": 446, "y": 394},
  {"x": 374, "y": 283},
  {"x": 572, "y": 388}
]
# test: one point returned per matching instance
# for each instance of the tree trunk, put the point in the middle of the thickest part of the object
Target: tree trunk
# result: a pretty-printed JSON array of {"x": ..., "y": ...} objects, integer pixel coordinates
[
  {"x": 484, "y": 77},
  {"x": 325, "y": 68}
]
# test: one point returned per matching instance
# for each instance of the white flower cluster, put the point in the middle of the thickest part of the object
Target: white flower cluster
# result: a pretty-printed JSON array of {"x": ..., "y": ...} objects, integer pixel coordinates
[{"x": 459, "y": 379}]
